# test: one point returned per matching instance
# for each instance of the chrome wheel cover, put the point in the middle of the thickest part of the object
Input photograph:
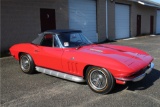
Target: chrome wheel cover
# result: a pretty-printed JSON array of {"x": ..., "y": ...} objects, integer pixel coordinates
[
  {"x": 25, "y": 63},
  {"x": 98, "y": 79}
]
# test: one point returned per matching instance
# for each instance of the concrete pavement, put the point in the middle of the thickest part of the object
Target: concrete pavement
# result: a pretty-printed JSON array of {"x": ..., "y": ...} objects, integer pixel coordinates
[{"x": 40, "y": 90}]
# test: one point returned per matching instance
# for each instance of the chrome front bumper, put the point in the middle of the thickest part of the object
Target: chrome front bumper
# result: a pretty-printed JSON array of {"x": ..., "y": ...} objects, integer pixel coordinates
[{"x": 140, "y": 77}]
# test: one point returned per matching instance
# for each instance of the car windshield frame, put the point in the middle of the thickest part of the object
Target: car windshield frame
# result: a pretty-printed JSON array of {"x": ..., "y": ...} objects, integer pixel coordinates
[{"x": 68, "y": 40}]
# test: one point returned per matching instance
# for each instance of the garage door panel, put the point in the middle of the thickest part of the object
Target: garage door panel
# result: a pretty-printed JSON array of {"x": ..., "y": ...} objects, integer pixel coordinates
[
  {"x": 158, "y": 22},
  {"x": 121, "y": 21},
  {"x": 87, "y": 3},
  {"x": 82, "y": 16}
]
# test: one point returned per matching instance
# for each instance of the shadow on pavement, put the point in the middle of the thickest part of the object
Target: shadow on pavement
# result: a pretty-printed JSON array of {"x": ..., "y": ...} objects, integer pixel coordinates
[{"x": 147, "y": 82}]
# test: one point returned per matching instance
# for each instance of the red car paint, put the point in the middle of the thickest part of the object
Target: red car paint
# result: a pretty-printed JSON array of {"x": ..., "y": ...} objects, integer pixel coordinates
[{"x": 121, "y": 61}]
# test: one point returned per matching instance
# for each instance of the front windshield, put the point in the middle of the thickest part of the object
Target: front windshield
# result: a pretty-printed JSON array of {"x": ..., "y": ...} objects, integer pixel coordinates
[{"x": 73, "y": 39}]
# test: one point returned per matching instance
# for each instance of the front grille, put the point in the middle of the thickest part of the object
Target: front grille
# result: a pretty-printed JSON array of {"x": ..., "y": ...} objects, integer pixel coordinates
[{"x": 142, "y": 71}]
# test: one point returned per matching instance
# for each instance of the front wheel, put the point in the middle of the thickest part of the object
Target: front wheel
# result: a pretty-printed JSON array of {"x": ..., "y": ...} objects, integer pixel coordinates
[
  {"x": 100, "y": 80},
  {"x": 27, "y": 64}
]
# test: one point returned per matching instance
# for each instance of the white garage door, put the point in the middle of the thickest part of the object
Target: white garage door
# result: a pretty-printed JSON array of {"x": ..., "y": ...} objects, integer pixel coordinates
[
  {"x": 122, "y": 21},
  {"x": 158, "y": 22},
  {"x": 82, "y": 16}
]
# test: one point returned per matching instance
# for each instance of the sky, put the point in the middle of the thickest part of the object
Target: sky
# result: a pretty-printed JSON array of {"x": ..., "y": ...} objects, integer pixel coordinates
[{"x": 158, "y": 1}]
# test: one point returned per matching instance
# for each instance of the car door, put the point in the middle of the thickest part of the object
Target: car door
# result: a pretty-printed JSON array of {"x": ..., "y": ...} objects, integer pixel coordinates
[{"x": 47, "y": 55}]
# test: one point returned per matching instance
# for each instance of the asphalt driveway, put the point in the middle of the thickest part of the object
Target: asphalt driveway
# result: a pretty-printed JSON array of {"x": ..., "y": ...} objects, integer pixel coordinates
[{"x": 40, "y": 90}]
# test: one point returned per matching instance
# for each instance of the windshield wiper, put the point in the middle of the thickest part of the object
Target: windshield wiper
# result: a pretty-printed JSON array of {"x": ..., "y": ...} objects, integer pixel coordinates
[{"x": 81, "y": 45}]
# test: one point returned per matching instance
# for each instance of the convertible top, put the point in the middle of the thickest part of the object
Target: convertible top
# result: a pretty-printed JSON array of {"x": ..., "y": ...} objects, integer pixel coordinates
[
  {"x": 38, "y": 40},
  {"x": 59, "y": 31},
  {"x": 62, "y": 31}
]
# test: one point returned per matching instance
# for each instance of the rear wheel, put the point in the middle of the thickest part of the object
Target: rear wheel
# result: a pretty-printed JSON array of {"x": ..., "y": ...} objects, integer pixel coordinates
[
  {"x": 100, "y": 80},
  {"x": 27, "y": 64}
]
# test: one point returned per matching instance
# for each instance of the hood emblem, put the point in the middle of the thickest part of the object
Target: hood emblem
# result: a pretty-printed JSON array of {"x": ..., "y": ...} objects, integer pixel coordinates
[
  {"x": 96, "y": 50},
  {"x": 72, "y": 58}
]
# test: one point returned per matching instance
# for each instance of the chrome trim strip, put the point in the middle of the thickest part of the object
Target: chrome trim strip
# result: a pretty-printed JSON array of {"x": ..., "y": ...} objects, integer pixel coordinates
[
  {"x": 96, "y": 50},
  {"x": 59, "y": 42},
  {"x": 60, "y": 74},
  {"x": 140, "y": 77}
]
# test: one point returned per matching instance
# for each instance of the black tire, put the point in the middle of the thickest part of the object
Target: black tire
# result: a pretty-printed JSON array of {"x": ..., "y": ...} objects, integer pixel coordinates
[
  {"x": 100, "y": 80},
  {"x": 27, "y": 64}
]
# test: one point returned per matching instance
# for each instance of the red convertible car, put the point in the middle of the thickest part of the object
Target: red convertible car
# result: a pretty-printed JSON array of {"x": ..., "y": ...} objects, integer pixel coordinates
[{"x": 69, "y": 55}]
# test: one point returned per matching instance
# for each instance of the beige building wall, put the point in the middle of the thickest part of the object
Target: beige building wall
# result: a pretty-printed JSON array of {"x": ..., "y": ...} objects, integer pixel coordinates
[
  {"x": 145, "y": 12},
  {"x": 21, "y": 19},
  {"x": 111, "y": 20},
  {"x": 135, "y": 9},
  {"x": 101, "y": 20},
  {"x": 111, "y": 16}
]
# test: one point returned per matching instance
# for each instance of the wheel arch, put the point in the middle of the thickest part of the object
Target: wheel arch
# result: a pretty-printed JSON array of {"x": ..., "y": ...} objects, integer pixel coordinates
[
  {"x": 31, "y": 63},
  {"x": 110, "y": 77},
  {"x": 88, "y": 66},
  {"x": 85, "y": 70},
  {"x": 20, "y": 53}
]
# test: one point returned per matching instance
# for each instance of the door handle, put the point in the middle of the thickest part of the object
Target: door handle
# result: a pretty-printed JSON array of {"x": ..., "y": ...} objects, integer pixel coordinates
[{"x": 36, "y": 50}]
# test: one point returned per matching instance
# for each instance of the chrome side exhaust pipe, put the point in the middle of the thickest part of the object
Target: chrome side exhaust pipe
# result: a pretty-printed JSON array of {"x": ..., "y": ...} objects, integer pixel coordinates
[{"x": 60, "y": 74}]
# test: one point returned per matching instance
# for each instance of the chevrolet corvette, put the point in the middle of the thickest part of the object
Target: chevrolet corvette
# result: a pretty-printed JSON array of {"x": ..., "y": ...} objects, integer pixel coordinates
[{"x": 69, "y": 55}]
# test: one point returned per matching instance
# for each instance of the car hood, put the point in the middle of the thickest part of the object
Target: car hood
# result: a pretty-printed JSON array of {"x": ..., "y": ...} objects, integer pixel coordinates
[{"x": 133, "y": 58}]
